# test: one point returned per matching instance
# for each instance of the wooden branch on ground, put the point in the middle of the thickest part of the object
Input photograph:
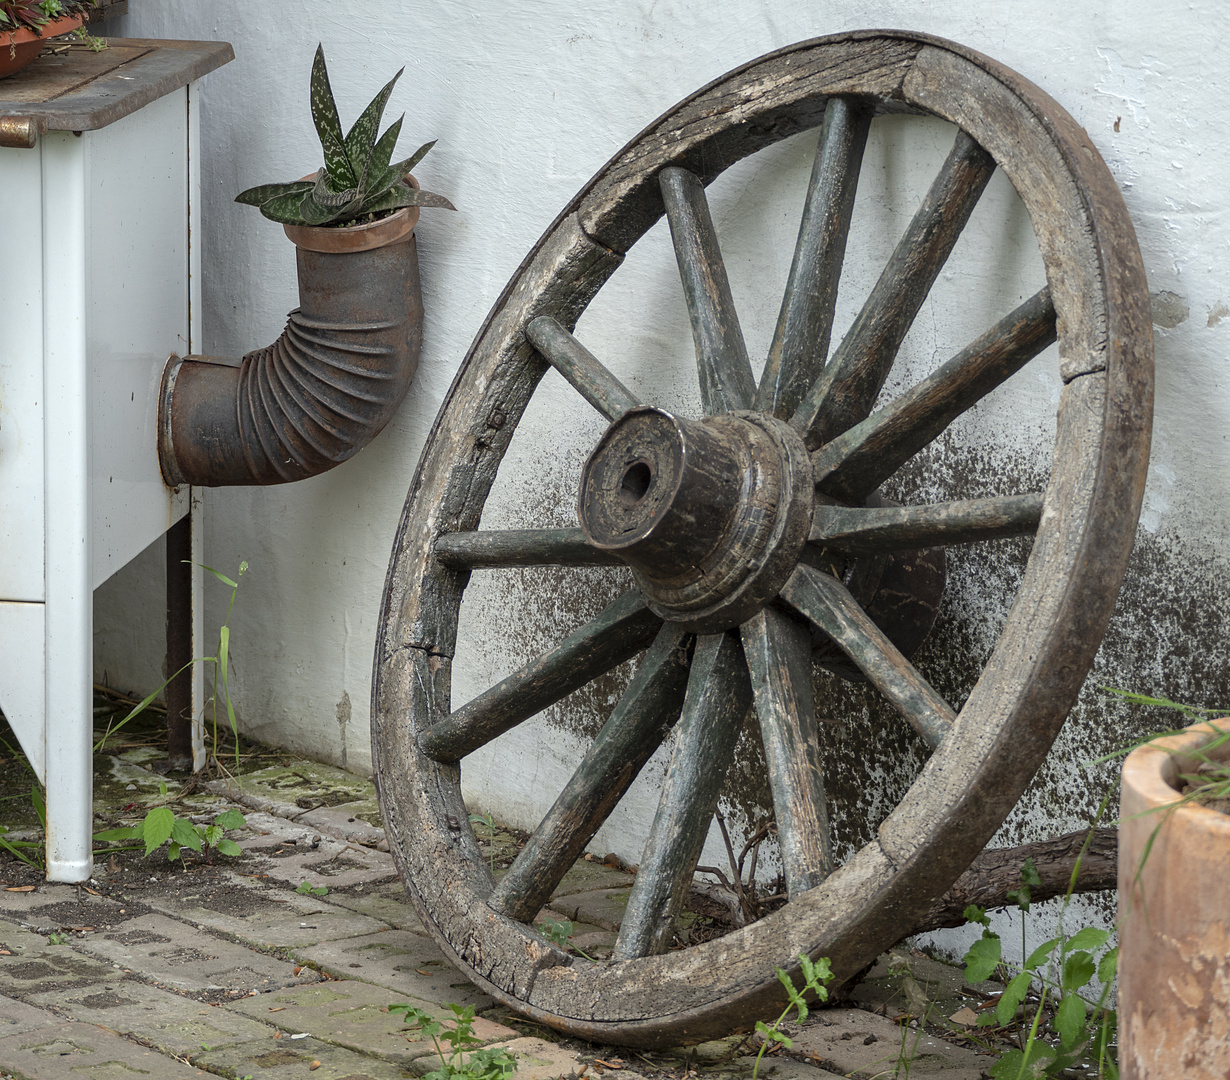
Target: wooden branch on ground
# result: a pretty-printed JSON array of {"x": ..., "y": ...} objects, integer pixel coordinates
[{"x": 997, "y": 872}]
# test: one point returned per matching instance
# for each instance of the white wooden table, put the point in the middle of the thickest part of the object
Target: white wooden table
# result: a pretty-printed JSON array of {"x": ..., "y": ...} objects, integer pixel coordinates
[{"x": 99, "y": 283}]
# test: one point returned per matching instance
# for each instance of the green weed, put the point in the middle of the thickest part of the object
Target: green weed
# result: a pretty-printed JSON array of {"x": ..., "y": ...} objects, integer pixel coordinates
[
  {"x": 494, "y": 1063},
  {"x": 559, "y": 932},
  {"x": 221, "y": 665},
  {"x": 814, "y": 977},
  {"x": 306, "y": 888},
  {"x": 1062, "y": 968},
  {"x": 161, "y": 825}
]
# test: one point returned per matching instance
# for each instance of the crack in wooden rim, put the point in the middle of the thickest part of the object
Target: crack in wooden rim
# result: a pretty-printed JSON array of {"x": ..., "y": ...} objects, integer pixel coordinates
[{"x": 1015, "y": 710}]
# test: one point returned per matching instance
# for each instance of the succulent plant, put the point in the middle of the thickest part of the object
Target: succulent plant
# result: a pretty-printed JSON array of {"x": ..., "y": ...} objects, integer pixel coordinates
[{"x": 357, "y": 179}]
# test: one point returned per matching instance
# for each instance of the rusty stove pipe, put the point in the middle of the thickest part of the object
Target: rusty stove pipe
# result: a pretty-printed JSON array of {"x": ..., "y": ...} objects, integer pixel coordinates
[{"x": 318, "y": 394}]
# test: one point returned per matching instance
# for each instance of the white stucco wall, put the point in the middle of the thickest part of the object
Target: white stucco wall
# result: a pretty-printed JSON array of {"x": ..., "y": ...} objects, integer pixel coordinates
[{"x": 527, "y": 103}]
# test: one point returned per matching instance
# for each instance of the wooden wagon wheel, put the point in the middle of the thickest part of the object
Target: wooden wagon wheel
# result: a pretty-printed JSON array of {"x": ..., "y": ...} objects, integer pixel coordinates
[{"x": 731, "y": 523}]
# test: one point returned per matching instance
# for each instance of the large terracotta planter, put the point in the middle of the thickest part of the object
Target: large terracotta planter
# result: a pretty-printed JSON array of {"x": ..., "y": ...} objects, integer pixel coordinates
[
  {"x": 18, "y": 48},
  {"x": 1174, "y": 913}
]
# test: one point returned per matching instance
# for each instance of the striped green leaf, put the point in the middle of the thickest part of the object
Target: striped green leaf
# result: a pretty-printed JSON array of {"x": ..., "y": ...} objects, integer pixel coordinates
[
  {"x": 261, "y": 194},
  {"x": 382, "y": 154},
  {"x": 328, "y": 126},
  {"x": 361, "y": 138},
  {"x": 285, "y": 208},
  {"x": 404, "y": 195}
]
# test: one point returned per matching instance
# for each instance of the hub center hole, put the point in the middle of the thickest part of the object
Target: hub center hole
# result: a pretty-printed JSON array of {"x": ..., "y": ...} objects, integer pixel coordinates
[{"x": 635, "y": 483}]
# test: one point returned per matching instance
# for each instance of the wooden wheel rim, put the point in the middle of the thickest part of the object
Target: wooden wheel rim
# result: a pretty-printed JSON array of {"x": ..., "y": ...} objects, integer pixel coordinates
[{"x": 1011, "y": 717}]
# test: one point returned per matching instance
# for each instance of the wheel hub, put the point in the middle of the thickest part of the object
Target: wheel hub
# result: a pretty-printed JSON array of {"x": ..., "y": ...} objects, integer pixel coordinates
[{"x": 711, "y": 516}]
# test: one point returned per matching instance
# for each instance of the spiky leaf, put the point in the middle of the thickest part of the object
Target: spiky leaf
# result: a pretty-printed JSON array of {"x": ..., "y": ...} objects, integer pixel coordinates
[
  {"x": 382, "y": 154},
  {"x": 361, "y": 138},
  {"x": 285, "y": 208},
  {"x": 262, "y": 193},
  {"x": 405, "y": 196},
  {"x": 397, "y": 171},
  {"x": 313, "y": 213},
  {"x": 328, "y": 126}
]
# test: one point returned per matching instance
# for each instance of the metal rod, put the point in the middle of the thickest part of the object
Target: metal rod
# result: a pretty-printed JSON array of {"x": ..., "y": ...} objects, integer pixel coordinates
[{"x": 179, "y": 643}]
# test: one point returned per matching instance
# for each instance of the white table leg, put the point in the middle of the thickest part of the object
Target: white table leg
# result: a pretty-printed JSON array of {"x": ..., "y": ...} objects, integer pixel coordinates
[{"x": 69, "y": 597}]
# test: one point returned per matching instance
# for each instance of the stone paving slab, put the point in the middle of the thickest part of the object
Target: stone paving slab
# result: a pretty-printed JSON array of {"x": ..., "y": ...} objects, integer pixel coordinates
[
  {"x": 45, "y": 895},
  {"x": 71, "y": 1051},
  {"x": 170, "y": 1022},
  {"x": 862, "y": 1044},
  {"x": 324, "y": 863},
  {"x": 589, "y": 875},
  {"x": 180, "y": 956},
  {"x": 343, "y": 822},
  {"x": 286, "y": 1058},
  {"x": 387, "y": 902},
  {"x": 356, "y": 1015},
  {"x": 603, "y": 907},
  {"x": 30, "y": 964},
  {"x": 405, "y": 963},
  {"x": 16, "y": 1017},
  {"x": 261, "y": 824},
  {"x": 784, "y": 1068},
  {"x": 267, "y": 918}
]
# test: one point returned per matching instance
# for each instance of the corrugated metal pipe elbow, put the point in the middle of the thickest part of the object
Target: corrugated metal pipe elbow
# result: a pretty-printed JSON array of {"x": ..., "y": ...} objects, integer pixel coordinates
[{"x": 322, "y": 391}]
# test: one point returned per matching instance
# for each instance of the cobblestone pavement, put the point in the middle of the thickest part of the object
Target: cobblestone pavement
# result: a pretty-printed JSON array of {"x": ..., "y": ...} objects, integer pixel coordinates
[{"x": 284, "y": 961}]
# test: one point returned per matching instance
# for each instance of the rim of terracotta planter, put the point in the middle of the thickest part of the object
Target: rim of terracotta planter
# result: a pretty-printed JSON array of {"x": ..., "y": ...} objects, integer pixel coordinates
[
  {"x": 20, "y": 48},
  {"x": 376, "y": 234},
  {"x": 1152, "y": 771}
]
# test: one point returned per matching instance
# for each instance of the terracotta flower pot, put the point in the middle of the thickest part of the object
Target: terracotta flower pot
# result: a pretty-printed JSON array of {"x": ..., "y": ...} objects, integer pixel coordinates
[
  {"x": 18, "y": 48},
  {"x": 337, "y": 239},
  {"x": 1174, "y": 917}
]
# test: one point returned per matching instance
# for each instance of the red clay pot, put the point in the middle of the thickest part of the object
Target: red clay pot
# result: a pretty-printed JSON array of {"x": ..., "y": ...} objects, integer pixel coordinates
[
  {"x": 19, "y": 48},
  {"x": 1174, "y": 917}
]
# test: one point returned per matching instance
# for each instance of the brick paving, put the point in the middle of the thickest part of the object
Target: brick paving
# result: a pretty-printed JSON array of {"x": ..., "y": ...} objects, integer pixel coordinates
[{"x": 238, "y": 973}]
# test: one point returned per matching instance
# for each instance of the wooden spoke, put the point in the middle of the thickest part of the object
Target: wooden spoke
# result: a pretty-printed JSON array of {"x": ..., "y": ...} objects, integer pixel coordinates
[
  {"x": 580, "y": 367},
  {"x": 726, "y": 380},
  {"x": 864, "y": 530},
  {"x": 646, "y": 712},
  {"x": 856, "y": 462},
  {"x": 844, "y": 393},
  {"x": 718, "y": 697},
  {"x": 497, "y": 548},
  {"x": 620, "y": 632},
  {"x": 778, "y": 650},
  {"x": 826, "y": 602},
  {"x": 801, "y": 340}
]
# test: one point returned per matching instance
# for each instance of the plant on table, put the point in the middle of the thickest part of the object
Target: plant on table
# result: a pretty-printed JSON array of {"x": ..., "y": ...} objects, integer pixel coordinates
[
  {"x": 35, "y": 14},
  {"x": 358, "y": 181},
  {"x": 493, "y": 1063}
]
